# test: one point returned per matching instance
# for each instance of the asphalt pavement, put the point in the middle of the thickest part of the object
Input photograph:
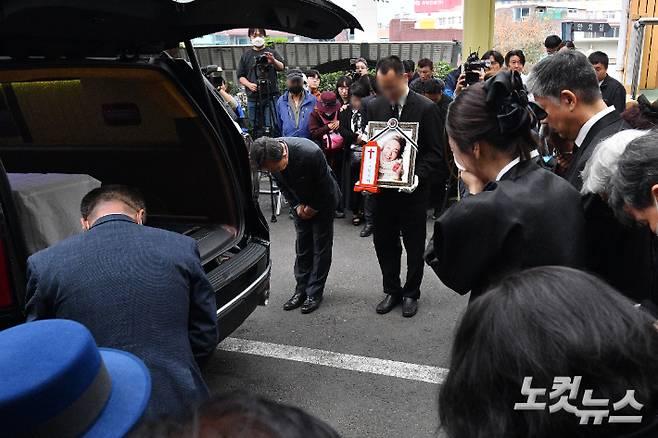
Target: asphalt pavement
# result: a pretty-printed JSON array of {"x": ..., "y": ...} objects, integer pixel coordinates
[{"x": 307, "y": 360}]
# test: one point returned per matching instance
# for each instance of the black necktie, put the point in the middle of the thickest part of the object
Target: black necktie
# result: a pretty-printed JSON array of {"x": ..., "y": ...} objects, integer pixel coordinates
[{"x": 395, "y": 111}]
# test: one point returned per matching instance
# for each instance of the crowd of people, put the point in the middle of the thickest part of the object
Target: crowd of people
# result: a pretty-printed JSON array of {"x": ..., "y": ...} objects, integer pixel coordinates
[
  {"x": 554, "y": 226},
  {"x": 552, "y": 232}
]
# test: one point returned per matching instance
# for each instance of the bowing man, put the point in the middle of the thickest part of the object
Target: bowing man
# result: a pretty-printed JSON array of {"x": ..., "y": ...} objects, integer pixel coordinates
[{"x": 517, "y": 215}]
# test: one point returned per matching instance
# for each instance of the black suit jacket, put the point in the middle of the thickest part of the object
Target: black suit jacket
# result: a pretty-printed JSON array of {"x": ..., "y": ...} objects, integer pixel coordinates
[
  {"x": 138, "y": 289},
  {"x": 430, "y": 163},
  {"x": 531, "y": 217},
  {"x": 308, "y": 179},
  {"x": 614, "y": 93},
  {"x": 604, "y": 128}
]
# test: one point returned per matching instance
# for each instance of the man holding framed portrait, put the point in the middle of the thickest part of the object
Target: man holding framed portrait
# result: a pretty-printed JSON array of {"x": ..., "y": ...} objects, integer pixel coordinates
[{"x": 410, "y": 154}]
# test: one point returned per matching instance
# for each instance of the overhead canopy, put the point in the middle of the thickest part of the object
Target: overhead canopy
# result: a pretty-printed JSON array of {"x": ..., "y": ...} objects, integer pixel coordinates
[{"x": 111, "y": 27}]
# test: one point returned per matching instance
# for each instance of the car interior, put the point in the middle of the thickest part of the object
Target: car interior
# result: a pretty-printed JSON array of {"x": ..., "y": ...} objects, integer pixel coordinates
[{"x": 66, "y": 130}]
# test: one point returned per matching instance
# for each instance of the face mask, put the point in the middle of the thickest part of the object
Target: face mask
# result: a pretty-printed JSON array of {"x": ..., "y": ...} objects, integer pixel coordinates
[
  {"x": 296, "y": 89},
  {"x": 258, "y": 41},
  {"x": 459, "y": 165}
]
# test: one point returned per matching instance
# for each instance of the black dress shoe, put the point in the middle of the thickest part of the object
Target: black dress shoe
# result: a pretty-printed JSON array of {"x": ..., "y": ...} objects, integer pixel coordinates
[
  {"x": 409, "y": 307},
  {"x": 387, "y": 304},
  {"x": 367, "y": 231},
  {"x": 295, "y": 301},
  {"x": 311, "y": 304}
]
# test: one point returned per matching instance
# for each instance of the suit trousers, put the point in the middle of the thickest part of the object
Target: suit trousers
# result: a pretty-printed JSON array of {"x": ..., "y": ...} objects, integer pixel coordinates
[
  {"x": 401, "y": 214},
  {"x": 315, "y": 239}
]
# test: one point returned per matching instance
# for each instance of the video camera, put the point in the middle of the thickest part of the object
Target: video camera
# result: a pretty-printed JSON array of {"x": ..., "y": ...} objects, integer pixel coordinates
[
  {"x": 261, "y": 60},
  {"x": 473, "y": 66}
]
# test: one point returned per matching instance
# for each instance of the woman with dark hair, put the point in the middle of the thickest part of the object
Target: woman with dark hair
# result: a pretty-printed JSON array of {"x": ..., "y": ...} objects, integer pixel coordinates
[
  {"x": 343, "y": 90},
  {"x": 536, "y": 327},
  {"x": 353, "y": 130},
  {"x": 517, "y": 215},
  {"x": 643, "y": 115}
]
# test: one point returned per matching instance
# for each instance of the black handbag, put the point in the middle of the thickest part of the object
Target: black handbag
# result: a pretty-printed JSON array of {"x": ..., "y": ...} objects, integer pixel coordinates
[{"x": 356, "y": 154}]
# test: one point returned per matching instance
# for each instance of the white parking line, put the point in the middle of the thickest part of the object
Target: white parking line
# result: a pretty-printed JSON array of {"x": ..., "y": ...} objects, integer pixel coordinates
[{"x": 363, "y": 364}]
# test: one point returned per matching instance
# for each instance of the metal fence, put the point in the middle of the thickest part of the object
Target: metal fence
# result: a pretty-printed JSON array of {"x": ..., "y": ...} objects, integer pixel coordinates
[{"x": 318, "y": 54}]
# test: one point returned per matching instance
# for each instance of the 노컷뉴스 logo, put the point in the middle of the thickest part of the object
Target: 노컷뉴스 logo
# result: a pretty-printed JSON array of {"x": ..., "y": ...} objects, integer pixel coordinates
[{"x": 565, "y": 395}]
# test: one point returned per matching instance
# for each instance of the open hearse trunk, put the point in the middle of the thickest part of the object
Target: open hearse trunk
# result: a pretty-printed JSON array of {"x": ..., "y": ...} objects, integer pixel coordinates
[{"x": 85, "y": 100}]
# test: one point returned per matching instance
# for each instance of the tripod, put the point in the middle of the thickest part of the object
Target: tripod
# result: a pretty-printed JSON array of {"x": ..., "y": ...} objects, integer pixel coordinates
[{"x": 264, "y": 103}]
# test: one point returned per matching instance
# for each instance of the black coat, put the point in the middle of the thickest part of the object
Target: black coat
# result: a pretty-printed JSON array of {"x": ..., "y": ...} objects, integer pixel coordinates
[
  {"x": 430, "y": 162},
  {"x": 308, "y": 179},
  {"x": 607, "y": 126},
  {"x": 529, "y": 218},
  {"x": 622, "y": 255},
  {"x": 614, "y": 93},
  {"x": 138, "y": 289}
]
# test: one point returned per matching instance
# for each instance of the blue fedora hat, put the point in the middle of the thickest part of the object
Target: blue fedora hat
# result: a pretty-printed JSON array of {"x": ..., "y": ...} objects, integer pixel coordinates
[{"x": 56, "y": 382}]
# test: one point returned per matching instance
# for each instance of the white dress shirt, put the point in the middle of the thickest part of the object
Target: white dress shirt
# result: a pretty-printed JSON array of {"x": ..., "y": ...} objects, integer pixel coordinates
[
  {"x": 584, "y": 130},
  {"x": 507, "y": 168},
  {"x": 402, "y": 101}
]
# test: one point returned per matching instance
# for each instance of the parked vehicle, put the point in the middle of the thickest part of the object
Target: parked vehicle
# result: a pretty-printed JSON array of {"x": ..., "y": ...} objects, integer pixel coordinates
[{"x": 86, "y": 88}]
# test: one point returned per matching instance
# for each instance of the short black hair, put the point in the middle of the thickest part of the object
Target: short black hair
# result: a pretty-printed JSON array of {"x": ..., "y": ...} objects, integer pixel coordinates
[
  {"x": 433, "y": 86},
  {"x": 515, "y": 52},
  {"x": 417, "y": 86},
  {"x": 409, "y": 65},
  {"x": 570, "y": 44},
  {"x": 359, "y": 89},
  {"x": 242, "y": 414},
  {"x": 253, "y": 30},
  {"x": 426, "y": 62},
  {"x": 552, "y": 42},
  {"x": 391, "y": 62},
  {"x": 343, "y": 81},
  {"x": 266, "y": 149},
  {"x": 599, "y": 57},
  {"x": 544, "y": 323},
  {"x": 496, "y": 55},
  {"x": 312, "y": 73},
  {"x": 111, "y": 192}
]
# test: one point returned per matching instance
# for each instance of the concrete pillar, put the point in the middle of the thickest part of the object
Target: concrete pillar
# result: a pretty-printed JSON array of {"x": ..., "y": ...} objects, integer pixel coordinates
[{"x": 478, "y": 26}]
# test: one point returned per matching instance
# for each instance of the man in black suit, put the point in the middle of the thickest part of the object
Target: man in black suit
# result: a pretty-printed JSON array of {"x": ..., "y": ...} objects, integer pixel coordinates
[
  {"x": 405, "y": 211},
  {"x": 614, "y": 93},
  {"x": 301, "y": 171},
  {"x": 136, "y": 288},
  {"x": 566, "y": 86}
]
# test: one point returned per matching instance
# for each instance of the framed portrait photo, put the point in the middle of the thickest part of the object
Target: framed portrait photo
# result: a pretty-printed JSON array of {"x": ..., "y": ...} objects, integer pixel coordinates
[{"x": 397, "y": 143}]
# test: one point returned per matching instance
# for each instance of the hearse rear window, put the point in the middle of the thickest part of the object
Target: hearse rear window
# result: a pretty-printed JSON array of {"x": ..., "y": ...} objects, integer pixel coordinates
[{"x": 90, "y": 106}]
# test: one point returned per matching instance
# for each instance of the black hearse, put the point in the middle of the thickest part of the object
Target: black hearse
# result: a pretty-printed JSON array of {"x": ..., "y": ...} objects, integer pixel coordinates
[{"x": 91, "y": 93}]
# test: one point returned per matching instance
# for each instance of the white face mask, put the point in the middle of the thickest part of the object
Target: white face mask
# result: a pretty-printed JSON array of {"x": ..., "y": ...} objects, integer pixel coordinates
[
  {"x": 258, "y": 41},
  {"x": 459, "y": 165}
]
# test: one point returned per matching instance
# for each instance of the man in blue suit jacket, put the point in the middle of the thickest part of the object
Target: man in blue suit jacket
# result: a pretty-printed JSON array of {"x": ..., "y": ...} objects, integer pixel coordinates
[{"x": 136, "y": 288}]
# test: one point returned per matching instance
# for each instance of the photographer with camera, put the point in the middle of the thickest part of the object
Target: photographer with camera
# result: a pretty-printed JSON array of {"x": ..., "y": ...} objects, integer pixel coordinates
[
  {"x": 472, "y": 72},
  {"x": 257, "y": 71}
]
